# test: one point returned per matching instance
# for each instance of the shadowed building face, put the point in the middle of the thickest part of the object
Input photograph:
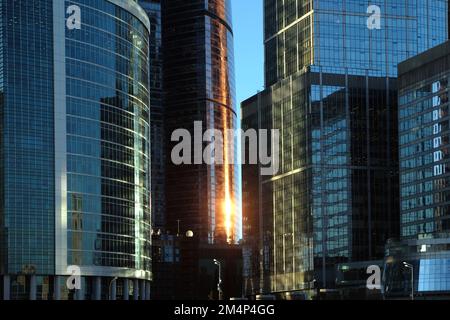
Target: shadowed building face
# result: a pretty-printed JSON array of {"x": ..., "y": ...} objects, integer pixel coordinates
[{"x": 199, "y": 86}]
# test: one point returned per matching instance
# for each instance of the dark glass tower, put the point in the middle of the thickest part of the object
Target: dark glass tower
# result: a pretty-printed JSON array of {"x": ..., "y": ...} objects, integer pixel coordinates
[
  {"x": 158, "y": 156},
  {"x": 331, "y": 82},
  {"x": 198, "y": 81},
  {"x": 74, "y": 150},
  {"x": 199, "y": 86},
  {"x": 424, "y": 144}
]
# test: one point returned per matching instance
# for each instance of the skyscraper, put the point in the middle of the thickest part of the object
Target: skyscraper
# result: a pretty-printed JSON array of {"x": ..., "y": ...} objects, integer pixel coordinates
[
  {"x": 331, "y": 79},
  {"x": 199, "y": 86},
  {"x": 424, "y": 174},
  {"x": 163, "y": 266},
  {"x": 74, "y": 153},
  {"x": 256, "y": 201},
  {"x": 423, "y": 134},
  {"x": 157, "y": 144},
  {"x": 199, "y": 94}
]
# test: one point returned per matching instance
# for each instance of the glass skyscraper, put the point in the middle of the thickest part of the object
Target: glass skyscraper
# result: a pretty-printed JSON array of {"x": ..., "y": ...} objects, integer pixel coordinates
[
  {"x": 199, "y": 85},
  {"x": 74, "y": 149},
  {"x": 202, "y": 199},
  {"x": 424, "y": 138},
  {"x": 331, "y": 91},
  {"x": 157, "y": 140},
  {"x": 251, "y": 198}
]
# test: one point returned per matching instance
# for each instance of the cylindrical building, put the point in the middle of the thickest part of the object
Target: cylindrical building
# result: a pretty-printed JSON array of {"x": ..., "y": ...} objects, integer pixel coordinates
[
  {"x": 74, "y": 150},
  {"x": 199, "y": 91}
]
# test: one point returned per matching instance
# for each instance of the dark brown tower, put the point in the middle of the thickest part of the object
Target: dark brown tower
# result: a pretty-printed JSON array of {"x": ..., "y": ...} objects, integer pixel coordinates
[
  {"x": 199, "y": 86},
  {"x": 198, "y": 78}
]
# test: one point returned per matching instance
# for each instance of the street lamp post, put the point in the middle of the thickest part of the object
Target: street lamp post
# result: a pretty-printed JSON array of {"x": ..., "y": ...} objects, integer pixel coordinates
[
  {"x": 410, "y": 266},
  {"x": 219, "y": 284},
  {"x": 110, "y": 284}
]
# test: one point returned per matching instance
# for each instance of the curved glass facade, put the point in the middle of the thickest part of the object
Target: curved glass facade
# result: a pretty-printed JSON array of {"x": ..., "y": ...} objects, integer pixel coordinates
[
  {"x": 195, "y": 32},
  {"x": 81, "y": 129},
  {"x": 108, "y": 207},
  {"x": 222, "y": 115}
]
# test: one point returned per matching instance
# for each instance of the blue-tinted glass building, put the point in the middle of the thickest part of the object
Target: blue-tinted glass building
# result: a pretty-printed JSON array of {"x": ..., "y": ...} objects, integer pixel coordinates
[
  {"x": 199, "y": 86},
  {"x": 424, "y": 175},
  {"x": 423, "y": 145},
  {"x": 202, "y": 197},
  {"x": 74, "y": 150},
  {"x": 331, "y": 91}
]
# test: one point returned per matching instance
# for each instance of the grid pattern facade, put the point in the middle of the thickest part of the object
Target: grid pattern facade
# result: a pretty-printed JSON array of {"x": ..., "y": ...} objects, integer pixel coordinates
[
  {"x": 153, "y": 10},
  {"x": 108, "y": 134},
  {"x": 199, "y": 74},
  {"x": 98, "y": 92},
  {"x": 27, "y": 152},
  {"x": 429, "y": 256},
  {"x": 335, "y": 36},
  {"x": 424, "y": 145},
  {"x": 288, "y": 38},
  {"x": 335, "y": 198}
]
